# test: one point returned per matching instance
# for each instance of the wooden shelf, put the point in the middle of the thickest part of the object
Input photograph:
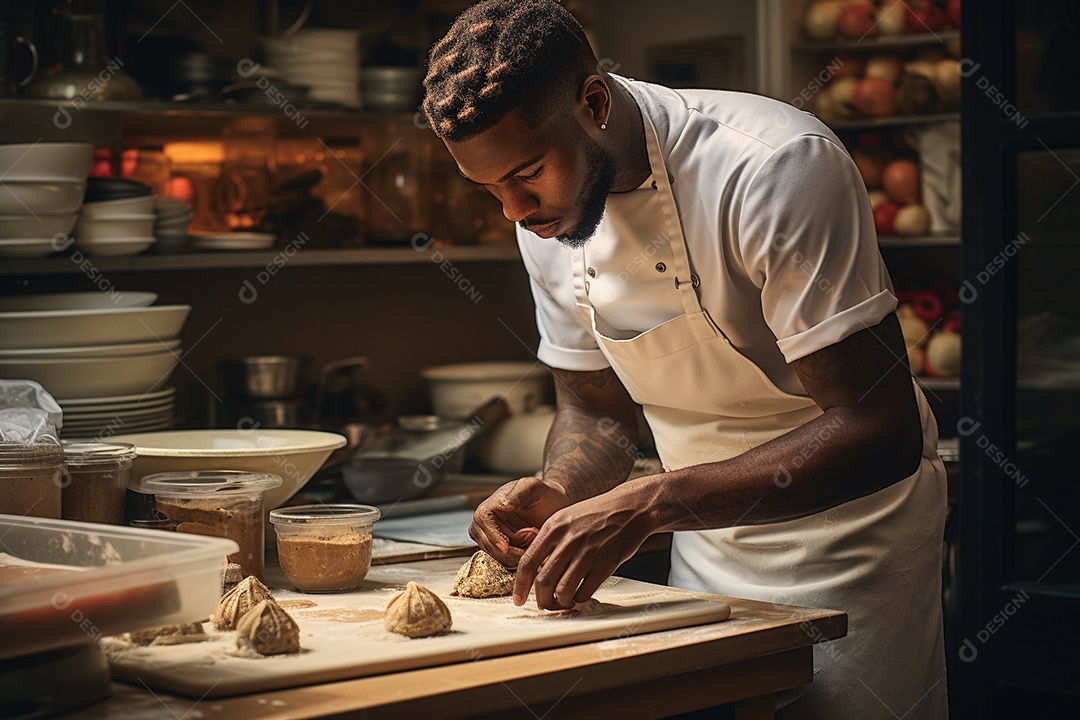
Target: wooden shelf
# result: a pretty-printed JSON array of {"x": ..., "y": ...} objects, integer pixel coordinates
[
  {"x": 67, "y": 264},
  {"x": 934, "y": 383},
  {"x": 874, "y": 44}
]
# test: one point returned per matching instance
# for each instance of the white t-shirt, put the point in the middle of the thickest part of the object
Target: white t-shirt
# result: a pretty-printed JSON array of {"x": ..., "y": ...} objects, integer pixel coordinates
[{"x": 777, "y": 224}]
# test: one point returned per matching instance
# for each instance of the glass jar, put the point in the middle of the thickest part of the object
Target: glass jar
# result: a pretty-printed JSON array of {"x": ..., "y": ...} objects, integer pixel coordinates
[
  {"x": 96, "y": 481},
  {"x": 324, "y": 548},
  {"x": 222, "y": 503},
  {"x": 30, "y": 479}
]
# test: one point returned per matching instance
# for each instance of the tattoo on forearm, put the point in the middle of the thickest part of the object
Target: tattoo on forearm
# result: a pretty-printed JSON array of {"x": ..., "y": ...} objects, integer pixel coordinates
[{"x": 582, "y": 457}]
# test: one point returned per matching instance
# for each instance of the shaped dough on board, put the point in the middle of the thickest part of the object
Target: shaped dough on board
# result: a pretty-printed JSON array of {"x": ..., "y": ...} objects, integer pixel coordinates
[
  {"x": 482, "y": 576},
  {"x": 417, "y": 612}
]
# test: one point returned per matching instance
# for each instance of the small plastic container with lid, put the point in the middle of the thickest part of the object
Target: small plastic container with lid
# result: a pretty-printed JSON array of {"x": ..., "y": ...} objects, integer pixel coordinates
[
  {"x": 96, "y": 480},
  {"x": 324, "y": 548},
  {"x": 222, "y": 503},
  {"x": 30, "y": 479}
]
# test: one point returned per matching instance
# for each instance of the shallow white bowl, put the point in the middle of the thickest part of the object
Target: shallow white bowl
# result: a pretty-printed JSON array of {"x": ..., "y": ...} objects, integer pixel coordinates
[
  {"x": 36, "y": 247},
  {"x": 43, "y": 160},
  {"x": 115, "y": 247},
  {"x": 294, "y": 455},
  {"x": 42, "y": 227},
  {"x": 127, "y": 206},
  {"x": 91, "y": 377},
  {"x": 35, "y": 197},
  {"x": 90, "y": 228},
  {"x": 104, "y": 326},
  {"x": 118, "y": 350},
  {"x": 77, "y": 301}
]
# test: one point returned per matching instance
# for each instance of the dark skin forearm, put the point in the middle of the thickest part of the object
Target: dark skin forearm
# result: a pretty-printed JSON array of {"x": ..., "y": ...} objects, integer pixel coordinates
[
  {"x": 868, "y": 437},
  {"x": 589, "y": 451}
]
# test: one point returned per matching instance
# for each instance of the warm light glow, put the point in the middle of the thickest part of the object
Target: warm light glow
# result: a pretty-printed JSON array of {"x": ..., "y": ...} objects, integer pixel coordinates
[{"x": 205, "y": 152}]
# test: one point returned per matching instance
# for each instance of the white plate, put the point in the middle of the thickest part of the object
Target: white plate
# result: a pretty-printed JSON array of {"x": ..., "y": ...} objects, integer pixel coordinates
[
  {"x": 28, "y": 248},
  {"x": 77, "y": 301},
  {"x": 75, "y": 328},
  {"x": 110, "y": 429},
  {"x": 121, "y": 350},
  {"x": 115, "y": 247},
  {"x": 37, "y": 196},
  {"x": 233, "y": 241},
  {"x": 166, "y": 392},
  {"x": 90, "y": 377},
  {"x": 151, "y": 413},
  {"x": 91, "y": 412},
  {"x": 39, "y": 226}
]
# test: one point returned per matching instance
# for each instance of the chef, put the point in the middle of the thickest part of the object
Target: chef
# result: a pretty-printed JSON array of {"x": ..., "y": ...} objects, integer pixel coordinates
[{"x": 710, "y": 257}]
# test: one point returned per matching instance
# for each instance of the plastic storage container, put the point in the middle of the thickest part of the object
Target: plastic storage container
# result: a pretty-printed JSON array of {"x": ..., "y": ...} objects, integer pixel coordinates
[
  {"x": 324, "y": 548},
  {"x": 96, "y": 481},
  {"x": 225, "y": 503},
  {"x": 103, "y": 580},
  {"x": 30, "y": 479}
]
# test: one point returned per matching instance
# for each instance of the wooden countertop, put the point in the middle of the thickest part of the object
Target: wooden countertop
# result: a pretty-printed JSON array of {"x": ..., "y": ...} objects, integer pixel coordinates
[{"x": 761, "y": 649}]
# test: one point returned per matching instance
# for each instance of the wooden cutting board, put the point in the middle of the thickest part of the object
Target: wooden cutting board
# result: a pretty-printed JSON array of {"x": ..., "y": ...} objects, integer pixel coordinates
[{"x": 343, "y": 637}]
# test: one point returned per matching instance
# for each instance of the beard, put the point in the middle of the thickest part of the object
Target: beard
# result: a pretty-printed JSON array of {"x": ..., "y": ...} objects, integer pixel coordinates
[{"x": 600, "y": 166}]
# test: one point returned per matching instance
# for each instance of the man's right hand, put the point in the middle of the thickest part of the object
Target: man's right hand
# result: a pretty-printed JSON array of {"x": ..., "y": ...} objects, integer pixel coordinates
[{"x": 505, "y": 524}]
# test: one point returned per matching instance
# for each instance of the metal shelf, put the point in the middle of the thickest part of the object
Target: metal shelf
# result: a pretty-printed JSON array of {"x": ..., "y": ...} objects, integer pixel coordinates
[
  {"x": 894, "y": 120},
  {"x": 874, "y": 44},
  {"x": 921, "y": 241},
  {"x": 67, "y": 264},
  {"x": 937, "y": 383}
]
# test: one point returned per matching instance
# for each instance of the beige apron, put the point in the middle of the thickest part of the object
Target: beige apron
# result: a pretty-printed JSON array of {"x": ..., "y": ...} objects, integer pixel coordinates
[{"x": 878, "y": 558}]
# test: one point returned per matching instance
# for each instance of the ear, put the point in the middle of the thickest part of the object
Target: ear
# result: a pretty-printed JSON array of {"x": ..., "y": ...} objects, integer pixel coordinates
[{"x": 595, "y": 100}]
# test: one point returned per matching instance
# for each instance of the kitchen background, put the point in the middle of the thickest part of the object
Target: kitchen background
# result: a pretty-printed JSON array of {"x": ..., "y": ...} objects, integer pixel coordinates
[{"x": 379, "y": 249}]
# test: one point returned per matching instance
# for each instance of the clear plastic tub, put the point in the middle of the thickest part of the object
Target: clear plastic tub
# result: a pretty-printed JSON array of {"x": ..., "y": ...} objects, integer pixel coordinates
[
  {"x": 96, "y": 481},
  {"x": 324, "y": 548},
  {"x": 99, "y": 580},
  {"x": 224, "y": 503}
]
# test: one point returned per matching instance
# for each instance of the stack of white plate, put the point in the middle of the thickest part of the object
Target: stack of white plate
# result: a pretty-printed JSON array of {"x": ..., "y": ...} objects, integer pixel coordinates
[
  {"x": 41, "y": 191},
  {"x": 116, "y": 219},
  {"x": 105, "y": 356},
  {"x": 172, "y": 218},
  {"x": 327, "y": 61}
]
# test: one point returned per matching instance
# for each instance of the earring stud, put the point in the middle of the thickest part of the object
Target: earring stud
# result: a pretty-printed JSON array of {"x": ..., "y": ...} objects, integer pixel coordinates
[{"x": 603, "y": 126}]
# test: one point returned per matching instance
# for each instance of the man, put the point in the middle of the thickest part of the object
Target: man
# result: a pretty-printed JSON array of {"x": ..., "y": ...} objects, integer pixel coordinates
[{"x": 711, "y": 257}]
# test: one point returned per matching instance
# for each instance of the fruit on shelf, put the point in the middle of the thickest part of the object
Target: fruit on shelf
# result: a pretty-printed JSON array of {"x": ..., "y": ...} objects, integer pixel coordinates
[
  {"x": 916, "y": 359},
  {"x": 892, "y": 17},
  {"x": 911, "y": 220},
  {"x": 857, "y": 20},
  {"x": 923, "y": 16},
  {"x": 822, "y": 19},
  {"x": 914, "y": 328},
  {"x": 875, "y": 97},
  {"x": 843, "y": 96},
  {"x": 943, "y": 354},
  {"x": 952, "y": 10},
  {"x": 927, "y": 305},
  {"x": 885, "y": 218},
  {"x": 917, "y": 94},
  {"x": 887, "y": 66},
  {"x": 900, "y": 180},
  {"x": 877, "y": 198},
  {"x": 871, "y": 164}
]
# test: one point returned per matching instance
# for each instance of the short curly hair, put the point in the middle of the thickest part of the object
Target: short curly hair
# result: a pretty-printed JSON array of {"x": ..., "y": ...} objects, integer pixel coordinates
[{"x": 500, "y": 55}]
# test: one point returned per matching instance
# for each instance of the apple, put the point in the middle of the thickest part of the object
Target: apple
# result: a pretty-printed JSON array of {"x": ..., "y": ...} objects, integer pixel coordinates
[
  {"x": 924, "y": 16},
  {"x": 857, "y": 21},
  {"x": 875, "y": 97},
  {"x": 885, "y": 218},
  {"x": 884, "y": 66},
  {"x": 849, "y": 66},
  {"x": 943, "y": 354},
  {"x": 900, "y": 180},
  {"x": 843, "y": 94},
  {"x": 877, "y": 199},
  {"x": 953, "y": 11},
  {"x": 822, "y": 19},
  {"x": 912, "y": 220},
  {"x": 913, "y": 327},
  {"x": 892, "y": 17},
  {"x": 947, "y": 78}
]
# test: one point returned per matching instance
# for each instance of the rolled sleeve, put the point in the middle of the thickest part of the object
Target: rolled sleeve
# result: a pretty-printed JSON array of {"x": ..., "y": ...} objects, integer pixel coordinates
[{"x": 808, "y": 241}]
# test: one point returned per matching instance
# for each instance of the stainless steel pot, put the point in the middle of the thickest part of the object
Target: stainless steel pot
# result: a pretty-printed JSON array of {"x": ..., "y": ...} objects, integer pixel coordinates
[{"x": 262, "y": 377}]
